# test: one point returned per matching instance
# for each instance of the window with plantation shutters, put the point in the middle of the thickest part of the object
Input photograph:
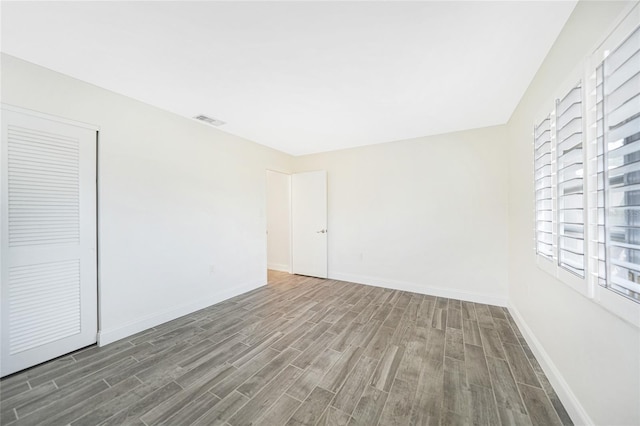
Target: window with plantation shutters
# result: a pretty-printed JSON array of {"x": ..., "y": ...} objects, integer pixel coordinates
[
  {"x": 618, "y": 104},
  {"x": 543, "y": 188},
  {"x": 570, "y": 186},
  {"x": 587, "y": 175}
]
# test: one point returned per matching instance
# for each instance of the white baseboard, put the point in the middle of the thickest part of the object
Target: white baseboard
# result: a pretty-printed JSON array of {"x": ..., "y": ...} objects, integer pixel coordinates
[
  {"x": 571, "y": 403},
  {"x": 450, "y": 293},
  {"x": 279, "y": 267},
  {"x": 113, "y": 334}
]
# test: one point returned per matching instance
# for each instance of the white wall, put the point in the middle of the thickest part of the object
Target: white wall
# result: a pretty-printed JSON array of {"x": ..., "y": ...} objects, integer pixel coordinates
[
  {"x": 426, "y": 215},
  {"x": 591, "y": 356},
  {"x": 181, "y": 204},
  {"x": 278, "y": 221}
]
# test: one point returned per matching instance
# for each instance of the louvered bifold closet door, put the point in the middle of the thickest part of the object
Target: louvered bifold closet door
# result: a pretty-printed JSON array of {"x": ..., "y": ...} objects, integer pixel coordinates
[
  {"x": 49, "y": 303},
  {"x": 543, "y": 188},
  {"x": 570, "y": 178},
  {"x": 621, "y": 90}
]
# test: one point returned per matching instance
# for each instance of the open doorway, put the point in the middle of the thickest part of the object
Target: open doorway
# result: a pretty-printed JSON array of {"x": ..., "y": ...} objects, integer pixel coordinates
[
  {"x": 278, "y": 225},
  {"x": 296, "y": 224}
]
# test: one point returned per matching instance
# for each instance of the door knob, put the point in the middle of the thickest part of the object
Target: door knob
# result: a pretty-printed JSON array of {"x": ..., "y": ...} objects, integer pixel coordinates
[{"x": 322, "y": 231}]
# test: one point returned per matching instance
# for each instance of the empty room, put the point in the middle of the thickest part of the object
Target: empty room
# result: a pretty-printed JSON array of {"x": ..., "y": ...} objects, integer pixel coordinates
[{"x": 320, "y": 213}]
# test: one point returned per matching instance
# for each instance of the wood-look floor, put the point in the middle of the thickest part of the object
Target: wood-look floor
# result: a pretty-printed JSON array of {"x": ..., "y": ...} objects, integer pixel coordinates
[{"x": 300, "y": 351}]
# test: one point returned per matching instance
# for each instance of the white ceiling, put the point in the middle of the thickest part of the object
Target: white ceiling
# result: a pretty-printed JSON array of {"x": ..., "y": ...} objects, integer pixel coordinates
[{"x": 301, "y": 77}]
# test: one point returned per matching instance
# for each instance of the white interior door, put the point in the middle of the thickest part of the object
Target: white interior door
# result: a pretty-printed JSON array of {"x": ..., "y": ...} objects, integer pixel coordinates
[
  {"x": 309, "y": 223},
  {"x": 48, "y": 239}
]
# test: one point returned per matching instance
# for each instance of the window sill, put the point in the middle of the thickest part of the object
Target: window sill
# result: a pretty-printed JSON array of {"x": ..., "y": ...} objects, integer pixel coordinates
[
  {"x": 617, "y": 304},
  {"x": 573, "y": 281}
]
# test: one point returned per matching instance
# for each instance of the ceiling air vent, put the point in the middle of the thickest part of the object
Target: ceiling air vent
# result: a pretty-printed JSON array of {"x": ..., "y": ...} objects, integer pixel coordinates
[{"x": 209, "y": 120}]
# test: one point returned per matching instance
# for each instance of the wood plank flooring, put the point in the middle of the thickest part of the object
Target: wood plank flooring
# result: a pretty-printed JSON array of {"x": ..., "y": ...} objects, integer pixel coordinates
[{"x": 300, "y": 351}]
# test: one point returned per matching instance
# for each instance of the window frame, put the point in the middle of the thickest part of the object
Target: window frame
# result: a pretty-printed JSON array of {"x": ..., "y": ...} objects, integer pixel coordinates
[
  {"x": 552, "y": 265},
  {"x": 538, "y": 123},
  {"x": 620, "y": 305},
  {"x": 580, "y": 87}
]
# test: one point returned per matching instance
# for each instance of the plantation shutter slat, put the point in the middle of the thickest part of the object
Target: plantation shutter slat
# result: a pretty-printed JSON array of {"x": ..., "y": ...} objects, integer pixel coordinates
[{"x": 570, "y": 185}]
